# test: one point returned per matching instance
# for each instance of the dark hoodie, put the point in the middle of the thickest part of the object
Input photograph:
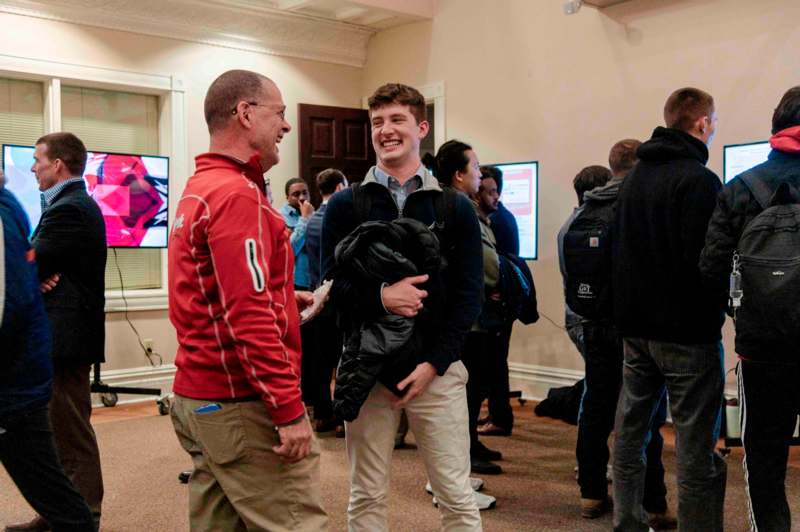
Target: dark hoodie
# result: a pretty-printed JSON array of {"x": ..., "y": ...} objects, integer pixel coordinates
[
  {"x": 663, "y": 211},
  {"x": 736, "y": 207}
]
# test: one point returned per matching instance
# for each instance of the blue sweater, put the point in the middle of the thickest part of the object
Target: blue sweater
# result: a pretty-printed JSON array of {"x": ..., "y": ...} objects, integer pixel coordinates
[
  {"x": 506, "y": 232},
  {"x": 313, "y": 246},
  {"x": 26, "y": 369}
]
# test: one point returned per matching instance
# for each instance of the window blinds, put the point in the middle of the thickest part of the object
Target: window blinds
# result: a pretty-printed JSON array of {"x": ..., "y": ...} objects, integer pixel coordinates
[
  {"x": 117, "y": 122},
  {"x": 21, "y": 111}
]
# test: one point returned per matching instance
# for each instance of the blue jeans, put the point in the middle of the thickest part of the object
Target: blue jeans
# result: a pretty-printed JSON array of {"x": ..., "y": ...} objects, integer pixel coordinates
[
  {"x": 602, "y": 352},
  {"x": 694, "y": 377}
]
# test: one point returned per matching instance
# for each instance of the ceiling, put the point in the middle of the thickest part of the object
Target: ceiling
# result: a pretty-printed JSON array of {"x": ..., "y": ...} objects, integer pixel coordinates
[{"x": 373, "y": 14}]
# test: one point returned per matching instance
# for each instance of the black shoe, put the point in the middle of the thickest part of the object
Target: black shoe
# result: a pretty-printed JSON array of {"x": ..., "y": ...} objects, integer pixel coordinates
[
  {"x": 479, "y": 451},
  {"x": 184, "y": 476},
  {"x": 483, "y": 467}
]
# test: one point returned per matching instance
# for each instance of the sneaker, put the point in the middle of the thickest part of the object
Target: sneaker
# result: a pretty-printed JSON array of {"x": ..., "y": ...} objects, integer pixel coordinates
[
  {"x": 480, "y": 452},
  {"x": 484, "y": 420},
  {"x": 484, "y": 502},
  {"x": 662, "y": 521},
  {"x": 594, "y": 508},
  {"x": 476, "y": 483},
  {"x": 484, "y": 467}
]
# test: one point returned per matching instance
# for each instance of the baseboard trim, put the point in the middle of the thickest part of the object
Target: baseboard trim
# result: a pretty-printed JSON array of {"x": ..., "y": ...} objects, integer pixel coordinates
[{"x": 534, "y": 381}]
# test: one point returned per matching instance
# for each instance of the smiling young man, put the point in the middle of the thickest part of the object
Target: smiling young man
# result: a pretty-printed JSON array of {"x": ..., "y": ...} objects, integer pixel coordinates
[
  {"x": 433, "y": 387},
  {"x": 237, "y": 409}
]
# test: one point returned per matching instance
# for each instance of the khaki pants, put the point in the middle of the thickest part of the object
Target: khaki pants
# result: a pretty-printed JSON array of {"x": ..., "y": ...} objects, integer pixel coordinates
[
  {"x": 239, "y": 483},
  {"x": 438, "y": 419}
]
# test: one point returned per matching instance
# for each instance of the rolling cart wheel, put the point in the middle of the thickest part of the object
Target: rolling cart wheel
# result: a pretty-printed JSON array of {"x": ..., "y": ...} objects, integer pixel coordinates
[
  {"x": 163, "y": 406},
  {"x": 109, "y": 399}
]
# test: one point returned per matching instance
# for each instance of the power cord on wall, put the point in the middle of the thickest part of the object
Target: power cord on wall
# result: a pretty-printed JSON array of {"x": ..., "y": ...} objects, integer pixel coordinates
[
  {"x": 148, "y": 352},
  {"x": 556, "y": 325}
]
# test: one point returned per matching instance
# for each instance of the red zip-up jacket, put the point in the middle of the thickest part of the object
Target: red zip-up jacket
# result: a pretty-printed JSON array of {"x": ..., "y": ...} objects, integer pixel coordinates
[{"x": 231, "y": 295}]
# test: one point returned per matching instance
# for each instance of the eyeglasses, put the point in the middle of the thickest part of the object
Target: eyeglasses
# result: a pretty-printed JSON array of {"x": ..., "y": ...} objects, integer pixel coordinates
[
  {"x": 252, "y": 104},
  {"x": 281, "y": 113}
]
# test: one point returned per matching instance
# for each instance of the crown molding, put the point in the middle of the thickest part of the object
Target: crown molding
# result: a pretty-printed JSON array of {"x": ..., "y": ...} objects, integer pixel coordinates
[{"x": 226, "y": 23}]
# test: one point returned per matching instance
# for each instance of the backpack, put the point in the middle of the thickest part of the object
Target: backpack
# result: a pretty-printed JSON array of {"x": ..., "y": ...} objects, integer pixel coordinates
[
  {"x": 587, "y": 261},
  {"x": 517, "y": 296},
  {"x": 444, "y": 205},
  {"x": 767, "y": 259}
]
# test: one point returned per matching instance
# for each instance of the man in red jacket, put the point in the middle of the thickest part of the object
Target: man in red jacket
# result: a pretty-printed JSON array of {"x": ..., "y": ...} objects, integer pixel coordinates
[{"x": 238, "y": 410}]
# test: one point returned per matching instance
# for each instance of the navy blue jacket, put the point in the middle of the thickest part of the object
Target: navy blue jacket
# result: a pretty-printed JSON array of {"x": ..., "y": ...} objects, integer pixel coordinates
[
  {"x": 313, "y": 246},
  {"x": 505, "y": 229},
  {"x": 26, "y": 370},
  {"x": 736, "y": 207},
  {"x": 463, "y": 274}
]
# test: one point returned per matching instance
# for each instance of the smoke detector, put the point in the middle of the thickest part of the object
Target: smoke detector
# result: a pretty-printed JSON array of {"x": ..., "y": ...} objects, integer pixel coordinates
[{"x": 572, "y": 7}]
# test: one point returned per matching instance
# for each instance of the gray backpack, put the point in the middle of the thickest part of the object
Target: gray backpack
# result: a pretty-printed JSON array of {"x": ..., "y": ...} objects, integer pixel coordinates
[{"x": 766, "y": 267}]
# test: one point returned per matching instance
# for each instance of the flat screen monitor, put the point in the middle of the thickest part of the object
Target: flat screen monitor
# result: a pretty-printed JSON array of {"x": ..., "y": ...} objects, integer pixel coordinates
[
  {"x": 521, "y": 197},
  {"x": 738, "y": 158},
  {"x": 131, "y": 190}
]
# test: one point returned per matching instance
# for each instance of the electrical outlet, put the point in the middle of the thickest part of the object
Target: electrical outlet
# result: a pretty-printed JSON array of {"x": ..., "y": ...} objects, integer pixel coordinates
[{"x": 148, "y": 344}]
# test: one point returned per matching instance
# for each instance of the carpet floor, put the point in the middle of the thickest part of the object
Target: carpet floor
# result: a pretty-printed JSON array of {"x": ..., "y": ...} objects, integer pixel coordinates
[{"x": 537, "y": 492}]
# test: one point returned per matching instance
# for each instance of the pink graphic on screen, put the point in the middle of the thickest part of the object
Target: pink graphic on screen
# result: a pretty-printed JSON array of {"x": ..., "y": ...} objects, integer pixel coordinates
[
  {"x": 125, "y": 190},
  {"x": 131, "y": 191}
]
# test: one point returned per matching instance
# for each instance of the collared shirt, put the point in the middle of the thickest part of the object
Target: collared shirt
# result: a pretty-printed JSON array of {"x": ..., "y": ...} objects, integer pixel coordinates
[
  {"x": 50, "y": 194},
  {"x": 297, "y": 225},
  {"x": 400, "y": 192}
]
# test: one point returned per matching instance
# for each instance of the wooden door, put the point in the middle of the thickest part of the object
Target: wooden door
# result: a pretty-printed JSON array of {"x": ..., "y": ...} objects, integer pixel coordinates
[{"x": 333, "y": 137}]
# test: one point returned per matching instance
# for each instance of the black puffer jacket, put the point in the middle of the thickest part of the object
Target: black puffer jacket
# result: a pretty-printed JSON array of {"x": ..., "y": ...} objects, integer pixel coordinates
[
  {"x": 384, "y": 348},
  {"x": 736, "y": 208}
]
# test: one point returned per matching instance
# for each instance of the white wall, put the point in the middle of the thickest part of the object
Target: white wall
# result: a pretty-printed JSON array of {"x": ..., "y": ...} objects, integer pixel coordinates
[
  {"x": 523, "y": 81},
  {"x": 301, "y": 81}
]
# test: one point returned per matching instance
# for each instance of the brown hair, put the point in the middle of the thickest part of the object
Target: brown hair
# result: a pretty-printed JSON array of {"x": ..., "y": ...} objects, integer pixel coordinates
[
  {"x": 400, "y": 94},
  {"x": 685, "y": 106},
  {"x": 328, "y": 180},
  {"x": 589, "y": 178},
  {"x": 787, "y": 114},
  {"x": 227, "y": 91},
  {"x": 622, "y": 156},
  {"x": 68, "y": 148}
]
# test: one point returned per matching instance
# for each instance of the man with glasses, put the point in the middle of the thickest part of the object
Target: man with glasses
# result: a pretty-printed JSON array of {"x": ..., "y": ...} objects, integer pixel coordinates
[{"x": 238, "y": 411}]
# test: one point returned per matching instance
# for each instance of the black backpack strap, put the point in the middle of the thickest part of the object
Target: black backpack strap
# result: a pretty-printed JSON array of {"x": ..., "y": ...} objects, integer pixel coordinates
[
  {"x": 761, "y": 191},
  {"x": 362, "y": 203},
  {"x": 445, "y": 207}
]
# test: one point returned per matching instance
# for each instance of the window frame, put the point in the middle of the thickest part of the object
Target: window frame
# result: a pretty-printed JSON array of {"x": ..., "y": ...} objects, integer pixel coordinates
[{"x": 172, "y": 133}]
